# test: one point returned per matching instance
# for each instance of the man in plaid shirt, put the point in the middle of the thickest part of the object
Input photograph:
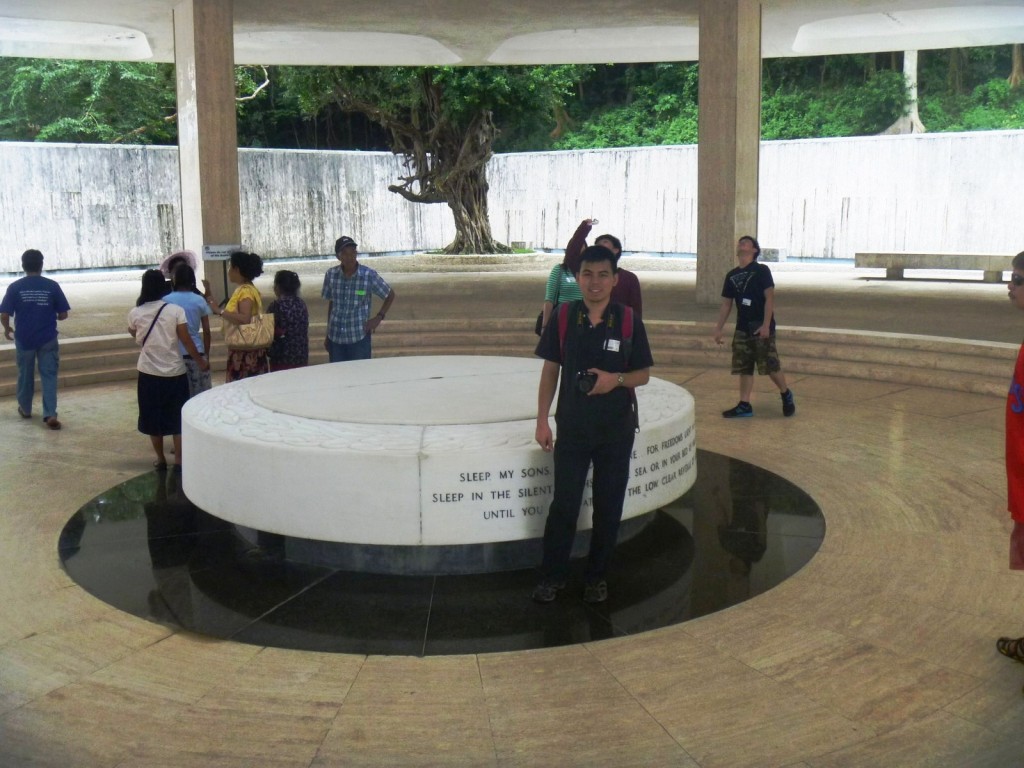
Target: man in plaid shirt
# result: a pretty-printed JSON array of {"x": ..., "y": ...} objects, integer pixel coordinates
[{"x": 348, "y": 289}]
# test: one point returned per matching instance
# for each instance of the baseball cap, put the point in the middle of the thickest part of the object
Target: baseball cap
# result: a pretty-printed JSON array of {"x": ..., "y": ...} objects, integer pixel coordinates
[{"x": 344, "y": 242}]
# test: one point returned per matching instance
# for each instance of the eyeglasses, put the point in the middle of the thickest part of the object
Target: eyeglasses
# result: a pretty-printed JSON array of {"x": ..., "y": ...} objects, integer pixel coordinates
[{"x": 1017, "y": 280}]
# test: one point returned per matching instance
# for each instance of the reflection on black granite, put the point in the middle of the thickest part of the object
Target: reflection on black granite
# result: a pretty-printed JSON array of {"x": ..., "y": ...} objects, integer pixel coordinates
[{"x": 146, "y": 549}]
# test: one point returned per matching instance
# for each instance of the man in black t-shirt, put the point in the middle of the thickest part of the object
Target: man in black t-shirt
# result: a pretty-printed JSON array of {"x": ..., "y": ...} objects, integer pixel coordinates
[
  {"x": 751, "y": 287},
  {"x": 599, "y": 369}
]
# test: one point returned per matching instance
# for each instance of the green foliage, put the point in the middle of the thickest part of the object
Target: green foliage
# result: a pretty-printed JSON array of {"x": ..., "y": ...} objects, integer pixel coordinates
[
  {"x": 957, "y": 71},
  {"x": 643, "y": 105},
  {"x": 86, "y": 101},
  {"x": 635, "y": 126},
  {"x": 533, "y": 108},
  {"x": 812, "y": 73},
  {"x": 856, "y": 109},
  {"x": 105, "y": 102},
  {"x": 992, "y": 105},
  {"x": 522, "y": 100},
  {"x": 528, "y": 115},
  {"x": 966, "y": 89},
  {"x": 821, "y": 96},
  {"x": 657, "y": 105},
  {"x": 272, "y": 118}
]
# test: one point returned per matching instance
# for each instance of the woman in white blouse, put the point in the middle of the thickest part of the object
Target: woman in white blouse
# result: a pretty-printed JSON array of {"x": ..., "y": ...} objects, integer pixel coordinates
[{"x": 157, "y": 327}]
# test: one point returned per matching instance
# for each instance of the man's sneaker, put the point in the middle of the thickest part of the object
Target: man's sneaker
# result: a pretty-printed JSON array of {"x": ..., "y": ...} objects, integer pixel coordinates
[
  {"x": 596, "y": 592},
  {"x": 546, "y": 591},
  {"x": 788, "y": 406},
  {"x": 741, "y": 411}
]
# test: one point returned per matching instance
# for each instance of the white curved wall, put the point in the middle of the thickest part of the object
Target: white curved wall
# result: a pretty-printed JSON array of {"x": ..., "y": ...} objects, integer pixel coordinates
[{"x": 89, "y": 206}]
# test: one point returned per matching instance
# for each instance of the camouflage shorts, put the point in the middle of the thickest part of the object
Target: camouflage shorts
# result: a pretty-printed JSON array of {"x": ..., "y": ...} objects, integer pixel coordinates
[
  {"x": 748, "y": 350},
  {"x": 198, "y": 381}
]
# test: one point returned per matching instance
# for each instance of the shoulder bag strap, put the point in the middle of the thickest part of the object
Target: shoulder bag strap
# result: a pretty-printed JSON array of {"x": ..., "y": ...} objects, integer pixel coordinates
[{"x": 162, "y": 308}]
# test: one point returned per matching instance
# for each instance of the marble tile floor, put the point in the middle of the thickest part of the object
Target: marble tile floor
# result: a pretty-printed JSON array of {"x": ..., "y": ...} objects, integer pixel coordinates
[{"x": 880, "y": 652}]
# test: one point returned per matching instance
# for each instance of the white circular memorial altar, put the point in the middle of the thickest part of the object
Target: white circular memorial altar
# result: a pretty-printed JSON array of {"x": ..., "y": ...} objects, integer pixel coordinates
[{"x": 412, "y": 451}]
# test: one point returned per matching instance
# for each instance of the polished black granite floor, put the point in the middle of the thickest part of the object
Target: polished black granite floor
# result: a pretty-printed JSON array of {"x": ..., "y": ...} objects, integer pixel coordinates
[{"x": 145, "y": 549}]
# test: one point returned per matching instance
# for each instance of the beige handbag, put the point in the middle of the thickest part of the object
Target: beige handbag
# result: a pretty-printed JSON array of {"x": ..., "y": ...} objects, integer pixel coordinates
[{"x": 257, "y": 334}]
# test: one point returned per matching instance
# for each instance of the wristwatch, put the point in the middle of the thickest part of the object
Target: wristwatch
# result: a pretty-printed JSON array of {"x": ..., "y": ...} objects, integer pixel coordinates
[{"x": 621, "y": 379}]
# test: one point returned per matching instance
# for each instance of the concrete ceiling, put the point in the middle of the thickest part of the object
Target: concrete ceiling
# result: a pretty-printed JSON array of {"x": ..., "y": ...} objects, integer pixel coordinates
[{"x": 424, "y": 32}]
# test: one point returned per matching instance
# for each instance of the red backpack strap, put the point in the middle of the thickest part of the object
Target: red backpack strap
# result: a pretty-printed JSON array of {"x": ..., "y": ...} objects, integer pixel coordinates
[
  {"x": 563, "y": 324},
  {"x": 626, "y": 349}
]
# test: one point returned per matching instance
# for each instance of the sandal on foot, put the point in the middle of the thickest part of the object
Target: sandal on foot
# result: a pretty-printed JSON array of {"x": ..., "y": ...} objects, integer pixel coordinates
[
  {"x": 547, "y": 591},
  {"x": 596, "y": 592},
  {"x": 1011, "y": 648}
]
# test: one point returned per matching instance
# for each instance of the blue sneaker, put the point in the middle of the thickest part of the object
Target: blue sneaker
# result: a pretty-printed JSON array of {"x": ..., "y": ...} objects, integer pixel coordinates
[
  {"x": 788, "y": 406},
  {"x": 741, "y": 411}
]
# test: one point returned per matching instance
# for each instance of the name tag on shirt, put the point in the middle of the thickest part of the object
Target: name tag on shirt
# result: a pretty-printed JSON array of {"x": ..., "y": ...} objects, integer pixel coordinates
[
  {"x": 612, "y": 345},
  {"x": 360, "y": 293},
  {"x": 746, "y": 302}
]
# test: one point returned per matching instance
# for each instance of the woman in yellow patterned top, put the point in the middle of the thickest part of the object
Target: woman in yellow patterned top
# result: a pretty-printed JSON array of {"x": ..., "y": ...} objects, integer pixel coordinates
[{"x": 243, "y": 268}]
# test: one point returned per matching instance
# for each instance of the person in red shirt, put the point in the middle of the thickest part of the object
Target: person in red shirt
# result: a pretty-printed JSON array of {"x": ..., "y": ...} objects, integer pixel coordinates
[
  {"x": 1014, "y": 647},
  {"x": 627, "y": 289}
]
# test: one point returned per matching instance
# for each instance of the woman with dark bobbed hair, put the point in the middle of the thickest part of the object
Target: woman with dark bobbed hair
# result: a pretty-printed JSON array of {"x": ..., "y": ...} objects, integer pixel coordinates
[
  {"x": 245, "y": 302},
  {"x": 291, "y": 324},
  {"x": 158, "y": 327}
]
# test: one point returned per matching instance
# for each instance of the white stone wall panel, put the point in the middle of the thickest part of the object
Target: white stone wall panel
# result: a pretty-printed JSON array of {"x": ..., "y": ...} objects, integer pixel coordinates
[{"x": 88, "y": 206}]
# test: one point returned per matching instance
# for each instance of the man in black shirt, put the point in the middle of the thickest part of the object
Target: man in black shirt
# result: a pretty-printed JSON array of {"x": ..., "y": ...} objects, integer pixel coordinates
[
  {"x": 751, "y": 286},
  {"x": 602, "y": 355}
]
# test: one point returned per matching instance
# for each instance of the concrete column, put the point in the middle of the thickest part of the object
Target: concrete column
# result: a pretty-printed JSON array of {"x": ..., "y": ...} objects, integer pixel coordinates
[
  {"x": 204, "y": 56},
  {"x": 728, "y": 137}
]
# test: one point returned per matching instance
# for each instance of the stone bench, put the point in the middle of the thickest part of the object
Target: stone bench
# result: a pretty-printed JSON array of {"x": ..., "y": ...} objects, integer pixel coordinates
[
  {"x": 408, "y": 464},
  {"x": 993, "y": 265}
]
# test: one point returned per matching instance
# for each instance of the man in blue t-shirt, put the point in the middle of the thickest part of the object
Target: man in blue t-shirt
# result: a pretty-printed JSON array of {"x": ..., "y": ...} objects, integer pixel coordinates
[
  {"x": 751, "y": 287},
  {"x": 36, "y": 303}
]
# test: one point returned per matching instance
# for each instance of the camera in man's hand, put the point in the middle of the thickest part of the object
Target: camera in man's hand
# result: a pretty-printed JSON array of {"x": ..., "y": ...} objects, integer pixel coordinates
[{"x": 585, "y": 381}]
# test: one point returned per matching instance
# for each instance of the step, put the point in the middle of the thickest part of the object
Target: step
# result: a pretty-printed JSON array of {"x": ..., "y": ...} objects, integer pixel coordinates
[{"x": 955, "y": 364}]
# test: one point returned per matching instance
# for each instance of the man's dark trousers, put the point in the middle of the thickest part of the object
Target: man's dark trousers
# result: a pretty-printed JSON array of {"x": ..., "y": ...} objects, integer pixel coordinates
[{"x": 573, "y": 456}]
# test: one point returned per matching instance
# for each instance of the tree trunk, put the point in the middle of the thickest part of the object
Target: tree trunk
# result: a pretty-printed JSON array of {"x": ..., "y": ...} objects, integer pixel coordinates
[
  {"x": 910, "y": 121},
  {"x": 1017, "y": 68},
  {"x": 467, "y": 199},
  {"x": 562, "y": 122},
  {"x": 955, "y": 75}
]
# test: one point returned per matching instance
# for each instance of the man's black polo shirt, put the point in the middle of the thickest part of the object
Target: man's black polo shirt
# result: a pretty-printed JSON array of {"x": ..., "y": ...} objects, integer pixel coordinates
[{"x": 599, "y": 346}]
